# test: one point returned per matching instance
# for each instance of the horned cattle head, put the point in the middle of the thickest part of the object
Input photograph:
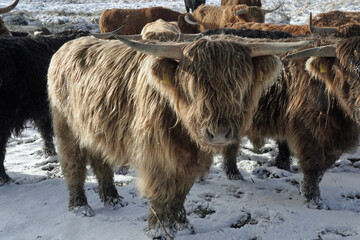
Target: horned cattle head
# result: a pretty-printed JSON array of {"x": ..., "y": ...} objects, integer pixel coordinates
[
  {"x": 338, "y": 66},
  {"x": 213, "y": 83},
  {"x": 3, "y": 29},
  {"x": 252, "y": 13}
]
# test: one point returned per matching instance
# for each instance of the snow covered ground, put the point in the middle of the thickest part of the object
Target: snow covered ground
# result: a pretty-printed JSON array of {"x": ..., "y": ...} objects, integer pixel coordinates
[
  {"x": 265, "y": 206},
  {"x": 61, "y": 14}
]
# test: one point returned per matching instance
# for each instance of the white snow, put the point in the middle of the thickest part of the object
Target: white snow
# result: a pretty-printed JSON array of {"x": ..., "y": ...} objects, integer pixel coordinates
[{"x": 267, "y": 205}]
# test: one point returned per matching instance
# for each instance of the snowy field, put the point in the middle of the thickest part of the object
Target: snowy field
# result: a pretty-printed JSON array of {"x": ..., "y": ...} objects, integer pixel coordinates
[{"x": 267, "y": 205}]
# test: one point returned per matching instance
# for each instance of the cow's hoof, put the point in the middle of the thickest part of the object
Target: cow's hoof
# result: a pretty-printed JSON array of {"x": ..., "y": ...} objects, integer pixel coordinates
[
  {"x": 115, "y": 202},
  {"x": 157, "y": 232},
  {"x": 85, "y": 210},
  {"x": 318, "y": 204},
  {"x": 4, "y": 179},
  {"x": 234, "y": 176}
]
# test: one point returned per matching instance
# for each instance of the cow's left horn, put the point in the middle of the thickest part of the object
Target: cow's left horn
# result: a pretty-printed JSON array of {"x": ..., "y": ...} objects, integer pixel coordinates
[
  {"x": 9, "y": 8},
  {"x": 106, "y": 35},
  {"x": 188, "y": 20},
  {"x": 323, "y": 31},
  {"x": 323, "y": 51},
  {"x": 241, "y": 11},
  {"x": 173, "y": 51},
  {"x": 271, "y": 10},
  {"x": 273, "y": 48}
]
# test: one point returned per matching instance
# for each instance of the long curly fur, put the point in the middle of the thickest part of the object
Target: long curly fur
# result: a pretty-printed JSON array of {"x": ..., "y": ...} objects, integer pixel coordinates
[
  {"x": 293, "y": 29},
  {"x": 335, "y": 18},
  {"x": 162, "y": 31}
]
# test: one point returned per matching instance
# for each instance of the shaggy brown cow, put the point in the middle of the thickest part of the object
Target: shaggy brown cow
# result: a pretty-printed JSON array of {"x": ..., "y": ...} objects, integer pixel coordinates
[
  {"x": 290, "y": 28},
  {"x": 336, "y": 18},
  {"x": 162, "y": 31},
  {"x": 303, "y": 111},
  {"x": 3, "y": 28},
  {"x": 346, "y": 27},
  {"x": 133, "y": 20},
  {"x": 164, "y": 109},
  {"x": 350, "y": 29},
  {"x": 212, "y": 17},
  {"x": 238, "y": 2}
]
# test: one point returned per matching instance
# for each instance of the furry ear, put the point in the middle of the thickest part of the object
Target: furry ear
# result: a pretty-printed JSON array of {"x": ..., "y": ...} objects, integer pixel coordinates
[
  {"x": 321, "y": 69},
  {"x": 164, "y": 70},
  {"x": 266, "y": 69}
]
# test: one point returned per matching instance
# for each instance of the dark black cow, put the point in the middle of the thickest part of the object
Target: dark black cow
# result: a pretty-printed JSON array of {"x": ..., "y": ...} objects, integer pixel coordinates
[
  {"x": 24, "y": 63},
  {"x": 193, "y": 4}
]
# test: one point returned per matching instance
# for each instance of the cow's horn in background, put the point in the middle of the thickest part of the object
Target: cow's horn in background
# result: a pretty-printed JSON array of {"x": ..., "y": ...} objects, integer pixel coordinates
[
  {"x": 9, "y": 8},
  {"x": 323, "y": 51},
  {"x": 173, "y": 51},
  {"x": 273, "y": 48}
]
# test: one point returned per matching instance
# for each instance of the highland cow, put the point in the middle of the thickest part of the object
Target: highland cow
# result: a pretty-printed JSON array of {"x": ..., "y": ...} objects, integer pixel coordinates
[
  {"x": 336, "y": 18},
  {"x": 211, "y": 17},
  {"x": 315, "y": 111},
  {"x": 163, "y": 108},
  {"x": 133, "y": 20},
  {"x": 346, "y": 30}
]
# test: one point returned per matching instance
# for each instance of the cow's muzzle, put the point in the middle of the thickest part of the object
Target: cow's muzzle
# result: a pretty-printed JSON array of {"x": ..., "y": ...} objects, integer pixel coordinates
[{"x": 220, "y": 137}]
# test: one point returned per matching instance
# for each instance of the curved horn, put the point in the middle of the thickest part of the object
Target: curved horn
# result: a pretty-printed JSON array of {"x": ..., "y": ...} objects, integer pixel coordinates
[
  {"x": 9, "y": 8},
  {"x": 106, "y": 35},
  {"x": 323, "y": 51},
  {"x": 272, "y": 10},
  {"x": 187, "y": 19},
  {"x": 273, "y": 48},
  {"x": 173, "y": 51},
  {"x": 321, "y": 30},
  {"x": 241, "y": 11}
]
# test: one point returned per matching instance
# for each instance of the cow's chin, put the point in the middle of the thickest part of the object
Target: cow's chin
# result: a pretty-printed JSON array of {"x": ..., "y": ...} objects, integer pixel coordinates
[{"x": 213, "y": 147}]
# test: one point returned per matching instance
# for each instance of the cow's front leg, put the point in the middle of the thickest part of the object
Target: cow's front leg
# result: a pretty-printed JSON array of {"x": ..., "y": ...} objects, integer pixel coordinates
[
  {"x": 167, "y": 218},
  {"x": 167, "y": 194},
  {"x": 229, "y": 164}
]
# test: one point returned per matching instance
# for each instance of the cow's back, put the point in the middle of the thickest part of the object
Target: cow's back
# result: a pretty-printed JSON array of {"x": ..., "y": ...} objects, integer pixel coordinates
[{"x": 133, "y": 20}]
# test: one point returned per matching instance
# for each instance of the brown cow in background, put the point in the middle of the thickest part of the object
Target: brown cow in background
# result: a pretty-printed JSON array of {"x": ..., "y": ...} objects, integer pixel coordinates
[
  {"x": 133, "y": 20},
  {"x": 211, "y": 17},
  {"x": 315, "y": 110}
]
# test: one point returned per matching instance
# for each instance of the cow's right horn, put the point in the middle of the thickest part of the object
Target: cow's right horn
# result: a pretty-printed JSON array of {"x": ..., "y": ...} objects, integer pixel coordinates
[
  {"x": 273, "y": 48},
  {"x": 271, "y": 10},
  {"x": 241, "y": 11},
  {"x": 9, "y": 8},
  {"x": 323, "y": 51},
  {"x": 173, "y": 51},
  {"x": 188, "y": 20},
  {"x": 323, "y": 31}
]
